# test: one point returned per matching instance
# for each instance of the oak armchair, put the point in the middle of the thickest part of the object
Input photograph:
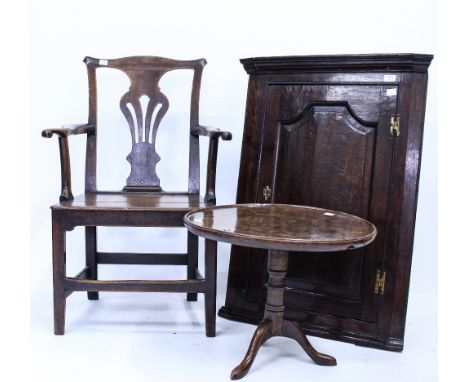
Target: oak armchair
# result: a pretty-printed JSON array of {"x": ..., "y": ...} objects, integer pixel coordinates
[{"x": 142, "y": 202}]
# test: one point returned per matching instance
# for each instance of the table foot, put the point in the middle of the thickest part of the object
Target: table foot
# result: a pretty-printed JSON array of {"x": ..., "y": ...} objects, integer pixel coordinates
[
  {"x": 292, "y": 329},
  {"x": 262, "y": 334},
  {"x": 289, "y": 329}
]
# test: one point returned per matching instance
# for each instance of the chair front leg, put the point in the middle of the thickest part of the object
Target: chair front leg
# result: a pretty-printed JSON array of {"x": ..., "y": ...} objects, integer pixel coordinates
[
  {"x": 91, "y": 257},
  {"x": 192, "y": 261},
  {"x": 211, "y": 248},
  {"x": 58, "y": 265}
]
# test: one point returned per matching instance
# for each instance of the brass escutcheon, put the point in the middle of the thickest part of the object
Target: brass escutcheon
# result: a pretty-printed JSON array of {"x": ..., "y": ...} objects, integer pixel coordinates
[{"x": 266, "y": 193}]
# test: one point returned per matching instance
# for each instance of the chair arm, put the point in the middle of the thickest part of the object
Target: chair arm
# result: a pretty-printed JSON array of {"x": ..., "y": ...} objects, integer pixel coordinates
[
  {"x": 65, "y": 131},
  {"x": 212, "y": 132}
]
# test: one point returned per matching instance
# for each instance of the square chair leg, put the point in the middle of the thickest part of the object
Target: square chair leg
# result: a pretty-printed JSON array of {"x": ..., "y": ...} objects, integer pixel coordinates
[
  {"x": 210, "y": 293},
  {"x": 58, "y": 266}
]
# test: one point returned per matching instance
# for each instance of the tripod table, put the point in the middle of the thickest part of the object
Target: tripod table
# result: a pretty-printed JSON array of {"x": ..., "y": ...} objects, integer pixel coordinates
[{"x": 281, "y": 229}]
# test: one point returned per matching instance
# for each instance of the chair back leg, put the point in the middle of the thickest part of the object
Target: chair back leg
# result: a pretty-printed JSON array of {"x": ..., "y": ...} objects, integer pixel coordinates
[{"x": 91, "y": 257}]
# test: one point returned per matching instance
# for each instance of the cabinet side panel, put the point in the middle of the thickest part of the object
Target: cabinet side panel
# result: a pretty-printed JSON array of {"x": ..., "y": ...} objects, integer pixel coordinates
[
  {"x": 246, "y": 188},
  {"x": 403, "y": 193}
]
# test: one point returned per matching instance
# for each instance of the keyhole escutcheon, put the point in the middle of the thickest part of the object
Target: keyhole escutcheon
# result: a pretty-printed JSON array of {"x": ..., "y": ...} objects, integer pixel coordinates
[{"x": 266, "y": 193}]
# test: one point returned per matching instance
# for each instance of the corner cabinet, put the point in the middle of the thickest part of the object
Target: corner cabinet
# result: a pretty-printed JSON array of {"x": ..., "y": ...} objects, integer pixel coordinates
[{"x": 343, "y": 133}]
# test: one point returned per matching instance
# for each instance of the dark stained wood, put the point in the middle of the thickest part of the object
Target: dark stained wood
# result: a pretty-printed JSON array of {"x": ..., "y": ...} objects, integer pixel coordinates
[
  {"x": 399, "y": 62},
  {"x": 92, "y": 257},
  {"x": 143, "y": 258},
  {"x": 91, "y": 139},
  {"x": 261, "y": 335},
  {"x": 278, "y": 228},
  {"x": 144, "y": 74},
  {"x": 210, "y": 295},
  {"x": 194, "y": 286},
  {"x": 213, "y": 134},
  {"x": 150, "y": 206},
  {"x": 66, "y": 193},
  {"x": 71, "y": 218},
  {"x": 117, "y": 201},
  {"x": 211, "y": 174},
  {"x": 65, "y": 131},
  {"x": 318, "y": 133},
  {"x": 273, "y": 323},
  {"x": 58, "y": 261},
  {"x": 192, "y": 261}
]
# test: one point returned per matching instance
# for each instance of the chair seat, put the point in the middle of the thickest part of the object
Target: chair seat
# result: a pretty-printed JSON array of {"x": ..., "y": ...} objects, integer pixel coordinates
[{"x": 135, "y": 201}]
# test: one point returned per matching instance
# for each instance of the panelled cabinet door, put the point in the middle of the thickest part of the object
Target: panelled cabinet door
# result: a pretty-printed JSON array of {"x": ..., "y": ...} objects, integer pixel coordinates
[
  {"x": 322, "y": 147},
  {"x": 324, "y": 131}
]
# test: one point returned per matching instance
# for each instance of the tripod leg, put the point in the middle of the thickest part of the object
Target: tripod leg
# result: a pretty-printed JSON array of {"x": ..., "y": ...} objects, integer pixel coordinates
[
  {"x": 262, "y": 334},
  {"x": 293, "y": 330}
]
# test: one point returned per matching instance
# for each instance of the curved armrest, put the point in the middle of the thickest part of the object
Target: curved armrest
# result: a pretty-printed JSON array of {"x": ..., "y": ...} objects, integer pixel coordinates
[
  {"x": 212, "y": 132},
  {"x": 65, "y": 131}
]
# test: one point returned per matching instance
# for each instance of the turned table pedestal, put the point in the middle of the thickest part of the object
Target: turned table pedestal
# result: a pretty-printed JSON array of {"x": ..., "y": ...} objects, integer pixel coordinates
[{"x": 282, "y": 229}]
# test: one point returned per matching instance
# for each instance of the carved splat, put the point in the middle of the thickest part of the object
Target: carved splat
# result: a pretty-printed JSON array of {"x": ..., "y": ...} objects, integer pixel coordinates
[
  {"x": 144, "y": 106},
  {"x": 143, "y": 120}
]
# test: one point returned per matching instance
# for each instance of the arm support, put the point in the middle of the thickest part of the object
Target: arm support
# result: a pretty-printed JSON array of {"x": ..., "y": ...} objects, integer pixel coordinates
[
  {"x": 214, "y": 135},
  {"x": 63, "y": 133}
]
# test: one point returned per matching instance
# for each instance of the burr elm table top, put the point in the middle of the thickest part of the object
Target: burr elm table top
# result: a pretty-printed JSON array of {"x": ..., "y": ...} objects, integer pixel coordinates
[{"x": 281, "y": 227}]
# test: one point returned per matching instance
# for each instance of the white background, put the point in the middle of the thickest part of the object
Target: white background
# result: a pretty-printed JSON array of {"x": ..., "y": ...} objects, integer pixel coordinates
[{"x": 126, "y": 335}]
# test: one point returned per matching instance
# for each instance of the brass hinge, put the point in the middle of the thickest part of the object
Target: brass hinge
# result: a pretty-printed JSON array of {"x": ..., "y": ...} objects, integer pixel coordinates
[
  {"x": 395, "y": 125},
  {"x": 380, "y": 282}
]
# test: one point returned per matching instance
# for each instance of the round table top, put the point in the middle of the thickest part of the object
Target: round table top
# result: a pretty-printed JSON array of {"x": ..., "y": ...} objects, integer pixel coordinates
[{"x": 281, "y": 227}]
